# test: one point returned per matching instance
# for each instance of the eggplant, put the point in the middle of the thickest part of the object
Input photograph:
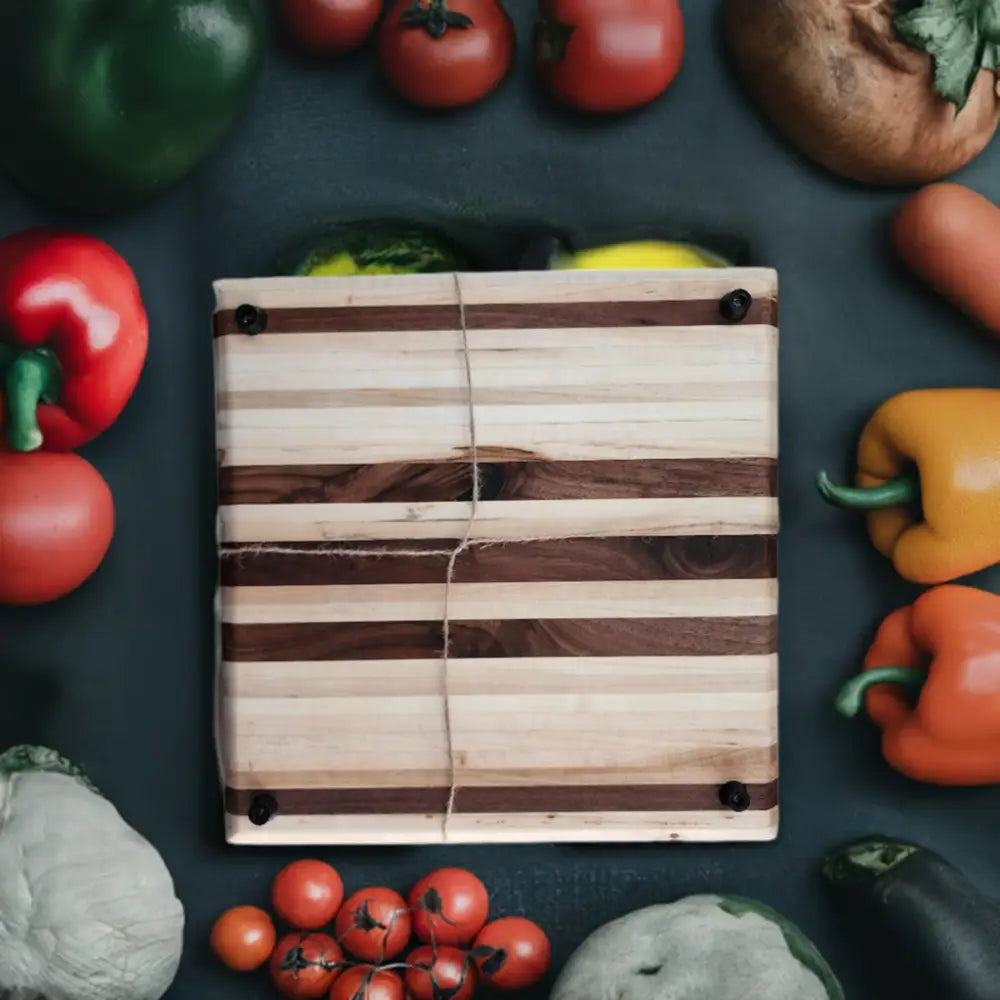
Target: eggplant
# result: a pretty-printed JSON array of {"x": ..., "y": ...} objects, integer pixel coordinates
[{"x": 931, "y": 933}]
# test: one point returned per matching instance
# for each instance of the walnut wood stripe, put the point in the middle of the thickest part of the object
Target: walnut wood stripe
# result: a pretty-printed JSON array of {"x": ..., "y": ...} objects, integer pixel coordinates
[
  {"x": 678, "y": 557},
  {"x": 517, "y": 638},
  {"x": 489, "y": 800},
  {"x": 501, "y": 316},
  {"x": 519, "y": 479}
]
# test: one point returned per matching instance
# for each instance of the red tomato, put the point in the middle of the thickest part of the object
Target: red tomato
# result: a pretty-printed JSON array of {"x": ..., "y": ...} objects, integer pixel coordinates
[
  {"x": 449, "y": 971},
  {"x": 328, "y": 27},
  {"x": 607, "y": 57},
  {"x": 307, "y": 894},
  {"x": 512, "y": 953},
  {"x": 448, "y": 54},
  {"x": 243, "y": 938},
  {"x": 57, "y": 518},
  {"x": 303, "y": 966},
  {"x": 449, "y": 906},
  {"x": 374, "y": 924},
  {"x": 364, "y": 982}
]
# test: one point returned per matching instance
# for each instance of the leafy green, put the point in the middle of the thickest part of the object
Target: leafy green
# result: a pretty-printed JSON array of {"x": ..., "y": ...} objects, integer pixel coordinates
[
  {"x": 27, "y": 758},
  {"x": 961, "y": 36}
]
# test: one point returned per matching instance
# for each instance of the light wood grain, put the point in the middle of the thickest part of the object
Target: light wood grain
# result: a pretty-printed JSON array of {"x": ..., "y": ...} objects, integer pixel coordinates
[
  {"x": 501, "y": 601},
  {"x": 528, "y": 286},
  {"x": 632, "y": 675},
  {"x": 680, "y": 827},
  {"x": 499, "y": 520}
]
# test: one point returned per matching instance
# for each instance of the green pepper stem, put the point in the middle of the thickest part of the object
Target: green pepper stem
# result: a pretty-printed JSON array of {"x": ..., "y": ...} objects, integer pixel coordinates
[
  {"x": 32, "y": 377},
  {"x": 852, "y": 694},
  {"x": 903, "y": 491}
]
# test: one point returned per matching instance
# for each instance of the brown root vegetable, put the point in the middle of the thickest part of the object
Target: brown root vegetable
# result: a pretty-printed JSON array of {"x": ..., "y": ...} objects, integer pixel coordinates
[{"x": 834, "y": 77}]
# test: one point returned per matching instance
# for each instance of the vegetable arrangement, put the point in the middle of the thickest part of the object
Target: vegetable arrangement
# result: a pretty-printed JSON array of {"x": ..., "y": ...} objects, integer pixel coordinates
[
  {"x": 439, "y": 54},
  {"x": 73, "y": 342},
  {"x": 704, "y": 947},
  {"x": 369, "y": 953},
  {"x": 906, "y": 91},
  {"x": 927, "y": 930},
  {"x": 87, "y": 906}
]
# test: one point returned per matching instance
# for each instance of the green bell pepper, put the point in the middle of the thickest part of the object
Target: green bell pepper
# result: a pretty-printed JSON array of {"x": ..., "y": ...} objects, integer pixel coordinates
[{"x": 106, "y": 103}]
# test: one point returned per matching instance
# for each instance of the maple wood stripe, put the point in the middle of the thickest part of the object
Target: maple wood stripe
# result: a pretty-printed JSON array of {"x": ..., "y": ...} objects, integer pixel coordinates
[
  {"x": 520, "y": 478},
  {"x": 497, "y": 316},
  {"x": 677, "y": 557},
  {"x": 492, "y": 800},
  {"x": 403, "y": 640}
]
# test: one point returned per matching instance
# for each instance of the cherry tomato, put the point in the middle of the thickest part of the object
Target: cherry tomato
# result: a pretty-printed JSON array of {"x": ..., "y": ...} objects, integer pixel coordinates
[
  {"x": 512, "y": 953},
  {"x": 363, "y": 982},
  {"x": 57, "y": 519},
  {"x": 303, "y": 965},
  {"x": 374, "y": 924},
  {"x": 328, "y": 27},
  {"x": 442, "y": 969},
  {"x": 449, "y": 906},
  {"x": 307, "y": 894},
  {"x": 449, "y": 54},
  {"x": 608, "y": 57},
  {"x": 243, "y": 938}
]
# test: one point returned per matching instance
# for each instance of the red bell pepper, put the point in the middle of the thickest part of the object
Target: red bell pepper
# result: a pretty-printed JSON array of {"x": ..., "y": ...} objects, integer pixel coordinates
[{"x": 73, "y": 338}]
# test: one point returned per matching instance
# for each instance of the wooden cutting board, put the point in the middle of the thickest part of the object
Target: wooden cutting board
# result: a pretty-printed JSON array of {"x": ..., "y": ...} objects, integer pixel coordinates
[{"x": 612, "y": 620}]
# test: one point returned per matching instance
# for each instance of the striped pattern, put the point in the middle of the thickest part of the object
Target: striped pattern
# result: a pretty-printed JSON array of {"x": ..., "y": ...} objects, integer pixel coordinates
[{"x": 613, "y": 633}]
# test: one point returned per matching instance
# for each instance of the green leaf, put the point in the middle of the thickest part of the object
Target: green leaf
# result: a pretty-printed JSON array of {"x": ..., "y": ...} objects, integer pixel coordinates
[{"x": 961, "y": 36}]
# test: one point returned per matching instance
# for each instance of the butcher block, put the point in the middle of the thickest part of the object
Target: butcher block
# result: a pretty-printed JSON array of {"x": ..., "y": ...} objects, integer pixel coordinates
[{"x": 497, "y": 557}]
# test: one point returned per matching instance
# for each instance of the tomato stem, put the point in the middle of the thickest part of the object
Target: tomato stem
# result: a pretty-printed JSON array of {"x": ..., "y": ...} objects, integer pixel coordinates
[{"x": 434, "y": 17}]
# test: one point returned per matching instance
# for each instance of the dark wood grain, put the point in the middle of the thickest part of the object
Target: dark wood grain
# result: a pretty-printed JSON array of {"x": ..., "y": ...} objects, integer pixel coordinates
[
  {"x": 396, "y": 482},
  {"x": 503, "y": 316},
  {"x": 732, "y": 557},
  {"x": 519, "y": 479},
  {"x": 500, "y": 800},
  {"x": 511, "y": 638}
]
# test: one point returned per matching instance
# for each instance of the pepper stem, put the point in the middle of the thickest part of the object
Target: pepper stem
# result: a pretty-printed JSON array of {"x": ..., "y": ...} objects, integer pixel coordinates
[
  {"x": 903, "y": 491},
  {"x": 852, "y": 694},
  {"x": 32, "y": 377}
]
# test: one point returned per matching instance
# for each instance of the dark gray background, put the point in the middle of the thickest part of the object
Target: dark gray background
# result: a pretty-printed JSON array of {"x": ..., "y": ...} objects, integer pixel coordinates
[{"x": 118, "y": 675}]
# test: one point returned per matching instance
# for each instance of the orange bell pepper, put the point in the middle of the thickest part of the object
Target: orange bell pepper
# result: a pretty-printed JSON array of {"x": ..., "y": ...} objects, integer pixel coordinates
[
  {"x": 931, "y": 682},
  {"x": 929, "y": 477}
]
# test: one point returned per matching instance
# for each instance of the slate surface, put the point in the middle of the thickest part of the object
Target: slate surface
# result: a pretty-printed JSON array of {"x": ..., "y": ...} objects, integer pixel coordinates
[{"x": 119, "y": 675}]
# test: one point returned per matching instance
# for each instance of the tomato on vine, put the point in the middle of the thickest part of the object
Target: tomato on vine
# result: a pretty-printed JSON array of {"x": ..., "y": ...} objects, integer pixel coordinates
[
  {"x": 608, "y": 57},
  {"x": 364, "y": 982},
  {"x": 440, "y": 971},
  {"x": 512, "y": 953},
  {"x": 304, "y": 966},
  {"x": 446, "y": 53},
  {"x": 449, "y": 906},
  {"x": 374, "y": 924}
]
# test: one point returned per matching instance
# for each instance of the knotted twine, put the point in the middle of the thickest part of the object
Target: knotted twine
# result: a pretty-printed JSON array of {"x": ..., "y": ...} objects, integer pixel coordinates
[{"x": 453, "y": 555}]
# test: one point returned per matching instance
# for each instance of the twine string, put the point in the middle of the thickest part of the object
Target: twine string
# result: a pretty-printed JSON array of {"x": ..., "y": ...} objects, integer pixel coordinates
[{"x": 463, "y": 546}]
